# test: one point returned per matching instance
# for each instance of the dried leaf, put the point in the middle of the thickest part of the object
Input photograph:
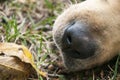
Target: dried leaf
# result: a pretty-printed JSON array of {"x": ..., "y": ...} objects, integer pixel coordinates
[
  {"x": 17, "y": 58},
  {"x": 13, "y": 69}
]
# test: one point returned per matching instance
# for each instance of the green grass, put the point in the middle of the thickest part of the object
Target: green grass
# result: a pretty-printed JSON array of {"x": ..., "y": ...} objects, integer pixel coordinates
[
  {"x": 10, "y": 27},
  {"x": 116, "y": 68}
]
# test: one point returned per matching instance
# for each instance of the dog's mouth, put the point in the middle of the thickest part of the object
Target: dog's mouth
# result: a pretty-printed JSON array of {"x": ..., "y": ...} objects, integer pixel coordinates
[
  {"x": 77, "y": 54},
  {"x": 72, "y": 53}
]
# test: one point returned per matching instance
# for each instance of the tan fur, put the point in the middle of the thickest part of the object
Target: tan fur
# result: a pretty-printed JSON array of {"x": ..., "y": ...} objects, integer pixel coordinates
[{"x": 103, "y": 18}]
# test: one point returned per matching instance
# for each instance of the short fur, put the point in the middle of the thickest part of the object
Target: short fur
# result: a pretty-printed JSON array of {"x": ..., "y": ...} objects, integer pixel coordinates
[{"x": 103, "y": 18}]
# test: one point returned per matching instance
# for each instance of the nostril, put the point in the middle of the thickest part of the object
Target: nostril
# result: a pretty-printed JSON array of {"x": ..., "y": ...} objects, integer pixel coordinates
[{"x": 69, "y": 40}]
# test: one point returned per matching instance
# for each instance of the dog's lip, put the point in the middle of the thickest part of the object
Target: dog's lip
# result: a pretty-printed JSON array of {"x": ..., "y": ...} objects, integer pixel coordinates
[{"x": 73, "y": 53}]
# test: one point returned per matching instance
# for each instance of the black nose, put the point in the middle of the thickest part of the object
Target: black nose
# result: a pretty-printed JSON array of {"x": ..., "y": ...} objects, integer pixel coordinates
[{"x": 78, "y": 42}]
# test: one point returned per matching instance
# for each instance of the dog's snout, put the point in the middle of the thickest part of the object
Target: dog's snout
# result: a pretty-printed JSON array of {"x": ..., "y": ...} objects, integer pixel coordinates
[{"x": 77, "y": 41}]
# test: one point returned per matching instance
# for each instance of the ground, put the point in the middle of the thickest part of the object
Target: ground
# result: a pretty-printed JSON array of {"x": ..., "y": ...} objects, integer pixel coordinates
[{"x": 30, "y": 23}]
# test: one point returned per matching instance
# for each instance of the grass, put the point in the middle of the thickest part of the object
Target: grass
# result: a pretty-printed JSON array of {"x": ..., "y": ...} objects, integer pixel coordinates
[
  {"x": 29, "y": 31},
  {"x": 116, "y": 68},
  {"x": 25, "y": 34},
  {"x": 11, "y": 30}
]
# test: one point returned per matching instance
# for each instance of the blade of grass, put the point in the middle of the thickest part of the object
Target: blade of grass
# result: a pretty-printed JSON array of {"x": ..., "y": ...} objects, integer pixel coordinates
[{"x": 116, "y": 68}]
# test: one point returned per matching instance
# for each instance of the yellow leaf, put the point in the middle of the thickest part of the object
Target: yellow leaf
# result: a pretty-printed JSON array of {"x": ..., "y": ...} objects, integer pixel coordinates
[
  {"x": 28, "y": 54},
  {"x": 21, "y": 52}
]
